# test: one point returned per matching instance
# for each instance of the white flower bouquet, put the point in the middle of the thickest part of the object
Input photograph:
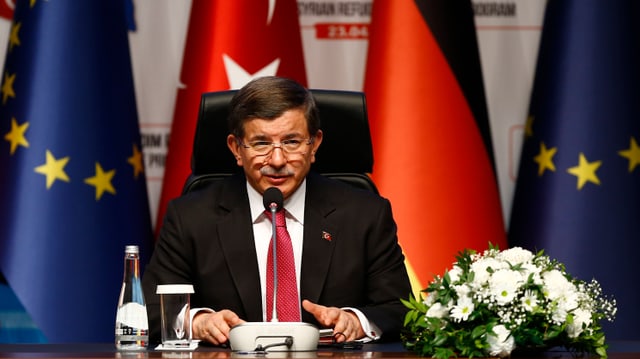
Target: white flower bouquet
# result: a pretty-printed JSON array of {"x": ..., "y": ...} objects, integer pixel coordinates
[{"x": 492, "y": 303}]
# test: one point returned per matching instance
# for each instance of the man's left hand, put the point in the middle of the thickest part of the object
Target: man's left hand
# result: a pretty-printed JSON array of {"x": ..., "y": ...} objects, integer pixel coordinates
[{"x": 345, "y": 324}]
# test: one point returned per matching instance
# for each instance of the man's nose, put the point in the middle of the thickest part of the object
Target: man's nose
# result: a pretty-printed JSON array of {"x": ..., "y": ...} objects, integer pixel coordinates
[{"x": 277, "y": 157}]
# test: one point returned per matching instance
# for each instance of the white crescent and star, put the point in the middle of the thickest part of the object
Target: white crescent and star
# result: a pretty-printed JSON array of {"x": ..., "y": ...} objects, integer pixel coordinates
[{"x": 237, "y": 75}]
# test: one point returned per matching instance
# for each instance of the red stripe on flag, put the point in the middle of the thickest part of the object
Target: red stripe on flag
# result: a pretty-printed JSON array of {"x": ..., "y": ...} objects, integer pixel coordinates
[{"x": 6, "y": 11}]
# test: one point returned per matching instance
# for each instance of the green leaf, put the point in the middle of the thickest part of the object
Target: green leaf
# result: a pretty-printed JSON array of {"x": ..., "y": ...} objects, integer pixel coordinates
[
  {"x": 479, "y": 331},
  {"x": 602, "y": 352}
]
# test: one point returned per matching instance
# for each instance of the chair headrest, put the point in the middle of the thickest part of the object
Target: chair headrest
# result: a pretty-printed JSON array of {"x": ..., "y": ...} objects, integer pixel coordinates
[{"x": 346, "y": 145}]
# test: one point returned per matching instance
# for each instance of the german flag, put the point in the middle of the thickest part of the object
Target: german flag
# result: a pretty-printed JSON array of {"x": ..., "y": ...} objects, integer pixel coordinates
[{"x": 431, "y": 137}]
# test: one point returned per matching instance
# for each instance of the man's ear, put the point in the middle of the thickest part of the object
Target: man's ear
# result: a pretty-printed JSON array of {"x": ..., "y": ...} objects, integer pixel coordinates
[
  {"x": 317, "y": 140},
  {"x": 234, "y": 147}
]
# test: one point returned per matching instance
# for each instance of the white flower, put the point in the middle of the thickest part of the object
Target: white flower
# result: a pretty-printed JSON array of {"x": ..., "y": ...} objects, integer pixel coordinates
[
  {"x": 515, "y": 255},
  {"x": 580, "y": 317},
  {"x": 555, "y": 284},
  {"x": 480, "y": 268},
  {"x": 569, "y": 301},
  {"x": 501, "y": 343},
  {"x": 529, "y": 301},
  {"x": 530, "y": 269},
  {"x": 437, "y": 310},
  {"x": 504, "y": 285},
  {"x": 463, "y": 308},
  {"x": 566, "y": 303},
  {"x": 430, "y": 299},
  {"x": 558, "y": 314},
  {"x": 454, "y": 274},
  {"x": 462, "y": 290}
]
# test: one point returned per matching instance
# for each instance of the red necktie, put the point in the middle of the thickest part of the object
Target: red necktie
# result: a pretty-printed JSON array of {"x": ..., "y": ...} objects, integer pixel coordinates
[{"x": 288, "y": 303}]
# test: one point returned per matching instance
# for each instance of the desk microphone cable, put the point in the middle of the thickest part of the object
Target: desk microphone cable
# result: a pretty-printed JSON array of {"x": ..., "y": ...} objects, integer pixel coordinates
[{"x": 288, "y": 342}]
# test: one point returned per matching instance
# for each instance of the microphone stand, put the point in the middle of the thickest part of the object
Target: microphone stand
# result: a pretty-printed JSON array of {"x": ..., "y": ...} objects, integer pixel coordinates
[{"x": 273, "y": 207}]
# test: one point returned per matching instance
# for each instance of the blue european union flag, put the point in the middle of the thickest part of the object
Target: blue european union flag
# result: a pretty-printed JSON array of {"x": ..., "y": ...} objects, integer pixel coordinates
[
  {"x": 578, "y": 190},
  {"x": 72, "y": 189}
]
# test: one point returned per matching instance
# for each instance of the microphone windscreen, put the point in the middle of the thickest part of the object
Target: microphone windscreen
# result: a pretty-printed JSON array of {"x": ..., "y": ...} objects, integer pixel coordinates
[{"x": 272, "y": 195}]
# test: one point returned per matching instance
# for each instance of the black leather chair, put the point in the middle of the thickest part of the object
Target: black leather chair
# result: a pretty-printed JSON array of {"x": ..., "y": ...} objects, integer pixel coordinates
[{"x": 345, "y": 154}]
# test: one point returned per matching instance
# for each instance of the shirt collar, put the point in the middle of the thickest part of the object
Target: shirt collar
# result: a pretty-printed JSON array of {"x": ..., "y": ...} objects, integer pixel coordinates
[{"x": 294, "y": 205}]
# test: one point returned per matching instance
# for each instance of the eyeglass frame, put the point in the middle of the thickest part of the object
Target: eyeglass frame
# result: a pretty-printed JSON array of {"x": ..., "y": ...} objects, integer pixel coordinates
[{"x": 274, "y": 145}]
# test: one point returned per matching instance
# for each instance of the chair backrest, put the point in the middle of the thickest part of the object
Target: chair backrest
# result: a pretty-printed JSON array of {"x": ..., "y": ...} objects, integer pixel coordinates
[{"x": 345, "y": 154}]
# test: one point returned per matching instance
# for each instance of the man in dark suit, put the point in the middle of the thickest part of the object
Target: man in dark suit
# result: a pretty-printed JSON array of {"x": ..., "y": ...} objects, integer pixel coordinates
[{"x": 347, "y": 258}]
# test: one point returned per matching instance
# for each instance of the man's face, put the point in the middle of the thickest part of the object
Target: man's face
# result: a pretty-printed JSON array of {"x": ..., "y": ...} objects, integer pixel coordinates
[{"x": 282, "y": 166}]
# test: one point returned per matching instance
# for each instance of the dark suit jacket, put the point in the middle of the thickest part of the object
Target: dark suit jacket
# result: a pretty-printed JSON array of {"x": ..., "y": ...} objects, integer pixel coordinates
[{"x": 207, "y": 240}]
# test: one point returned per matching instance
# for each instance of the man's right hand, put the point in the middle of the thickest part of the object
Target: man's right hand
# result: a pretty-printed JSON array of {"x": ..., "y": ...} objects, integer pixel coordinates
[{"x": 214, "y": 327}]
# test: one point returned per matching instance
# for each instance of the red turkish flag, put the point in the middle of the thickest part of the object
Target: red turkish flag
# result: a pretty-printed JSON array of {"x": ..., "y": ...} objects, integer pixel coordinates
[
  {"x": 430, "y": 132},
  {"x": 228, "y": 44},
  {"x": 6, "y": 9}
]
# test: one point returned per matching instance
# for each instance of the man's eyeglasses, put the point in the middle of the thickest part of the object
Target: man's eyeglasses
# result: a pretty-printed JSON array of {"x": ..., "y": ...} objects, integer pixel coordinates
[{"x": 290, "y": 146}]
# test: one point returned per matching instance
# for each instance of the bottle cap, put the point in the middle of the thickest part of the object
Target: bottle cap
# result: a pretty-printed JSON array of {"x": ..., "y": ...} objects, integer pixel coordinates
[
  {"x": 131, "y": 249},
  {"x": 174, "y": 289}
]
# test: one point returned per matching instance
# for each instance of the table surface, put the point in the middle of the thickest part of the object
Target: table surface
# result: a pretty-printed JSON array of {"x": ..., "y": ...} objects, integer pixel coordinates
[{"x": 617, "y": 350}]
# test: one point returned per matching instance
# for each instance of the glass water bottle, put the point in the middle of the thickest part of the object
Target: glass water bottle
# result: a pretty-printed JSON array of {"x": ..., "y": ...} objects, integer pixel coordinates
[{"x": 132, "y": 325}]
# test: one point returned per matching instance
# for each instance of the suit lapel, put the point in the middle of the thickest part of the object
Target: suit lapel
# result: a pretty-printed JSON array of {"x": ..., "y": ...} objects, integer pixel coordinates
[
  {"x": 235, "y": 232},
  {"x": 319, "y": 237}
]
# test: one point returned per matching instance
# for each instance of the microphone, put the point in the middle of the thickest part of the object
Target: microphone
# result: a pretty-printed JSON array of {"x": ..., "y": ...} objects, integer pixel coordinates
[
  {"x": 257, "y": 337},
  {"x": 272, "y": 201}
]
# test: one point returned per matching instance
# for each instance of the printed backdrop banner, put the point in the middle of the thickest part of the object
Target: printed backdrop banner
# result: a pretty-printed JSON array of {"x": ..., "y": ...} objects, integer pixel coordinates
[{"x": 335, "y": 40}]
